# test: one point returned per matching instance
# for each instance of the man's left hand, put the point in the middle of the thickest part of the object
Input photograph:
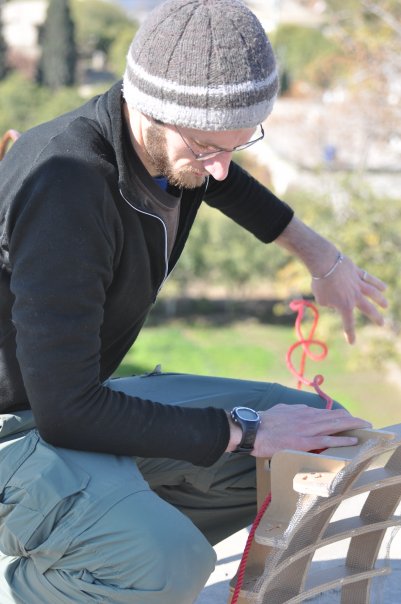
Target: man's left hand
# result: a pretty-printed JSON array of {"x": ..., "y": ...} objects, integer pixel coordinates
[{"x": 350, "y": 287}]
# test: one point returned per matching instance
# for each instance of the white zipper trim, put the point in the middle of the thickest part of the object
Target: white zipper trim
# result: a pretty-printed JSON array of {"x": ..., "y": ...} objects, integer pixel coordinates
[{"x": 165, "y": 236}]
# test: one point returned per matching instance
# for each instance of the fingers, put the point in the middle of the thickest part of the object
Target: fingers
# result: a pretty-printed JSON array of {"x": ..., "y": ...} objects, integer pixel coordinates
[
  {"x": 370, "y": 311},
  {"x": 327, "y": 422},
  {"x": 326, "y": 442},
  {"x": 372, "y": 288},
  {"x": 374, "y": 293},
  {"x": 304, "y": 429},
  {"x": 367, "y": 299},
  {"x": 341, "y": 423},
  {"x": 332, "y": 418},
  {"x": 348, "y": 320},
  {"x": 372, "y": 280},
  {"x": 348, "y": 317}
]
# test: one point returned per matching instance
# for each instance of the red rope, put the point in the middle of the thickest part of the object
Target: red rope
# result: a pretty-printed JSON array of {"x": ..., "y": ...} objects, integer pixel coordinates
[
  {"x": 306, "y": 343},
  {"x": 248, "y": 545}
]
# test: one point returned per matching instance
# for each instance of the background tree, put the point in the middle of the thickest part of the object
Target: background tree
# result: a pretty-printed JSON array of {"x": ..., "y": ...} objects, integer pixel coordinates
[
  {"x": 307, "y": 54},
  {"x": 3, "y": 51},
  {"x": 369, "y": 31},
  {"x": 99, "y": 24},
  {"x": 58, "y": 61},
  {"x": 37, "y": 104},
  {"x": 117, "y": 55}
]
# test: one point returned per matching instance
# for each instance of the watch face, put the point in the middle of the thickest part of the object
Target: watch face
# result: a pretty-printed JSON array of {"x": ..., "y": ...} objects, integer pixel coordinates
[
  {"x": 249, "y": 421},
  {"x": 247, "y": 414}
]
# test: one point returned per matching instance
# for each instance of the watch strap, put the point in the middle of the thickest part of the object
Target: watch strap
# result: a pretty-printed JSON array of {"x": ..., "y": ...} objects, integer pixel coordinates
[{"x": 249, "y": 429}]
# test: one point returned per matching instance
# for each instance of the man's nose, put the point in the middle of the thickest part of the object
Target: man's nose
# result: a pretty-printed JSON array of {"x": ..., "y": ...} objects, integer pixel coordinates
[{"x": 218, "y": 166}]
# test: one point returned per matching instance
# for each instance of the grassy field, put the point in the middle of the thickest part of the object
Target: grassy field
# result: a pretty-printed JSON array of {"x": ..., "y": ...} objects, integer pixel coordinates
[{"x": 250, "y": 350}]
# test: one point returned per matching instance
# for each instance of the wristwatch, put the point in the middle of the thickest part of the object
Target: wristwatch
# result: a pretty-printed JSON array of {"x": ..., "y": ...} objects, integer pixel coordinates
[{"x": 249, "y": 421}]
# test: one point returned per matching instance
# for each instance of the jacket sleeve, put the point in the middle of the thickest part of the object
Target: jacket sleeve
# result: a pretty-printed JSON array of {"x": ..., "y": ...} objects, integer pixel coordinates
[
  {"x": 249, "y": 203},
  {"x": 64, "y": 238}
]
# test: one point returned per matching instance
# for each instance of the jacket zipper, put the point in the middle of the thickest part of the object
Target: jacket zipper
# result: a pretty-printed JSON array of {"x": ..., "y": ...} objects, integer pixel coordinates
[
  {"x": 165, "y": 240},
  {"x": 166, "y": 260}
]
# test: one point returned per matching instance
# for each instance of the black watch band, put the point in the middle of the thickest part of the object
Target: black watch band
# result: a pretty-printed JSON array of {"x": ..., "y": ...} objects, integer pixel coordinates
[{"x": 249, "y": 422}]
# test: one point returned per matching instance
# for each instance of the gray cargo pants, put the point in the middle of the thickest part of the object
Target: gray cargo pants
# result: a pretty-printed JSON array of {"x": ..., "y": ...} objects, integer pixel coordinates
[{"x": 78, "y": 527}]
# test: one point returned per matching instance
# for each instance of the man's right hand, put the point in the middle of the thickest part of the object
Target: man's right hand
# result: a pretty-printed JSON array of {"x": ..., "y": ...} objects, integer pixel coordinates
[{"x": 301, "y": 428}]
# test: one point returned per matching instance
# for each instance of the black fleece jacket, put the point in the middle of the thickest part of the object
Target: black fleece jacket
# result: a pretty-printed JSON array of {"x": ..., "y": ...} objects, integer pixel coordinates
[{"x": 82, "y": 262}]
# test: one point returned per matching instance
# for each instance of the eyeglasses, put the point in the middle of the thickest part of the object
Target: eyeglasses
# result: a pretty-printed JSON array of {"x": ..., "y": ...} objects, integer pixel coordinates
[{"x": 210, "y": 154}]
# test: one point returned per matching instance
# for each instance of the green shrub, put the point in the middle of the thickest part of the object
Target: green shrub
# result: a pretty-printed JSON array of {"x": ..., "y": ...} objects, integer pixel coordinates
[
  {"x": 24, "y": 104},
  {"x": 305, "y": 53}
]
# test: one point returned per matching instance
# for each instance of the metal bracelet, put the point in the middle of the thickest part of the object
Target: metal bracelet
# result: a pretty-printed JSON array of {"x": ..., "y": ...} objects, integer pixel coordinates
[{"x": 338, "y": 261}]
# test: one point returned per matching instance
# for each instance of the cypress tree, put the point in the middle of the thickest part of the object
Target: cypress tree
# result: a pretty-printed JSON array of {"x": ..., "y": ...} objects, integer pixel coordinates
[{"x": 58, "y": 60}]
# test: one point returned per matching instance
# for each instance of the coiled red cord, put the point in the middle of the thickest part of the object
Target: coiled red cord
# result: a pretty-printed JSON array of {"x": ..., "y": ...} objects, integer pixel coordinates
[{"x": 306, "y": 343}]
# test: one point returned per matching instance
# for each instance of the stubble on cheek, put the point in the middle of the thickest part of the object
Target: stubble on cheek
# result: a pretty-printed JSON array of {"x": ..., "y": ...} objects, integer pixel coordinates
[{"x": 186, "y": 177}]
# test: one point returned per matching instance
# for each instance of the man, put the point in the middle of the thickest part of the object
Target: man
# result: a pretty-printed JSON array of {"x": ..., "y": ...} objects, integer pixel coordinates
[{"x": 113, "y": 490}]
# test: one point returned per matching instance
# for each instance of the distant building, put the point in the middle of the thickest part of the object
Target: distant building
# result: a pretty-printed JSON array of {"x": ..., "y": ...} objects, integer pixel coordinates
[
  {"x": 273, "y": 13},
  {"x": 22, "y": 20}
]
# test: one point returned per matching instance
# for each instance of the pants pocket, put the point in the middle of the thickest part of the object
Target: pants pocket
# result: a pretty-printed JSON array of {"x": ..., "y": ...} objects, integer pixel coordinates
[{"x": 37, "y": 489}]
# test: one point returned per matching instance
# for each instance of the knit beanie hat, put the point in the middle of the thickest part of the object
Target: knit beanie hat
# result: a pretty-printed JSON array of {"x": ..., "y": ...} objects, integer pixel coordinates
[{"x": 204, "y": 64}]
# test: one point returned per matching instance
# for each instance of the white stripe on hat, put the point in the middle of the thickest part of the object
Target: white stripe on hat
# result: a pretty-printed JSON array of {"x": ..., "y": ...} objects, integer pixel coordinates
[
  {"x": 227, "y": 118},
  {"x": 200, "y": 91}
]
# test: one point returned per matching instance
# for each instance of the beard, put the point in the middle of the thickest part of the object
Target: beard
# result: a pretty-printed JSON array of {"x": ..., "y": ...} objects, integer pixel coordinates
[{"x": 156, "y": 149}]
